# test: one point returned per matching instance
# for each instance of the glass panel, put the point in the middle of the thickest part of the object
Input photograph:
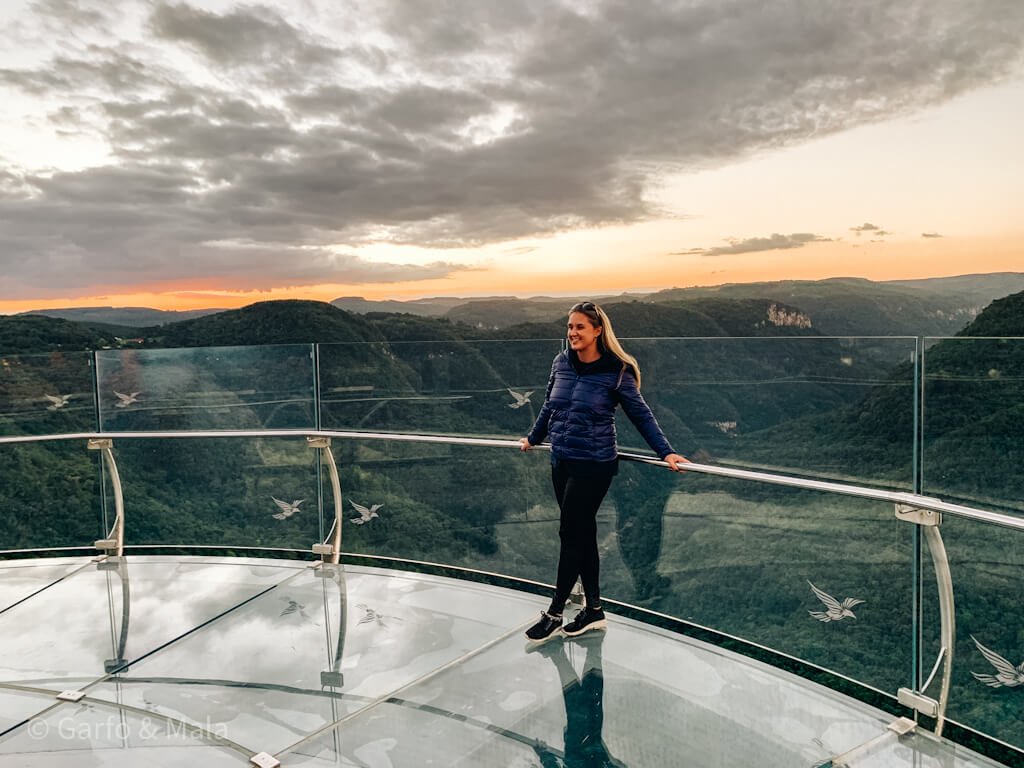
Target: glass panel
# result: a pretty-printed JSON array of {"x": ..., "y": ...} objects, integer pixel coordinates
[
  {"x": 21, "y": 578},
  {"x": 839, "y": 408},
  {"x": 974, "y": 421},
  {"x": 987, "y": 565},
  {"x": 634, "y": 696},
  {"x": 821, "y": 577},
  {"x": 244, "y": 492},
  {"x": 103, "y": 616},
  {"x": 89, "y": 734},
  {"x": 486, "y": 508},
  {"x": 207, "y": 388},
  {"x": 46, "y": 394},
  {"x": 50, "y": 495},
  {"x": 458, "y": 388},
  {"x": 16, "y": 706},
  {"x": 914, "y": 750},
  {"x": 341, "y": 640}
]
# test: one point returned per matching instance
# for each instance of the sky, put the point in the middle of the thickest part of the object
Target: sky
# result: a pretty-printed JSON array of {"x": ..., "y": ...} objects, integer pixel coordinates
[{"x": 212, "y": 154}]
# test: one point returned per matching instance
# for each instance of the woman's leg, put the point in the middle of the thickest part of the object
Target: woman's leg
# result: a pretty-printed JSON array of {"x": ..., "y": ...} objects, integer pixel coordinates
[{"x": 579, "y": 498}]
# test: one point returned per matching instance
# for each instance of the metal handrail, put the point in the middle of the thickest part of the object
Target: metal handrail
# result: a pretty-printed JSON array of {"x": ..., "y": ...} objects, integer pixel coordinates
[{"x": 894, "y": 497}]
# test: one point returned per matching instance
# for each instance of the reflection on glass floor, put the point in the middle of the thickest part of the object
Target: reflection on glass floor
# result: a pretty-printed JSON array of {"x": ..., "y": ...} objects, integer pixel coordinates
[{"x": 210, "y": 661}]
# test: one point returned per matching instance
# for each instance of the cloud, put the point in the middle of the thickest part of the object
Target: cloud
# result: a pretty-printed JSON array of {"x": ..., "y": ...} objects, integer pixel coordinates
[
  {"x": 305, "y": 128},
  {"x": 930, "y": 234},
  {"x": 774, "y": 242},
  {"x": 872, "y": 228}
]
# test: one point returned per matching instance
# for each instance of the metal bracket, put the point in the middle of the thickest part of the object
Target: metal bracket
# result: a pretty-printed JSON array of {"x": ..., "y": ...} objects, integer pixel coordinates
[
  {"x": 318, "y": 442},
  {"x": 100, "y": 443},
  {"x": 323, "y": 549},
  {"x": 917, "y": 515},
  {"x": 332, "y": 679},
  {"x": 918, "y": 702},
  {"x": 71, "y": 695},
  {"x": 264, "y": 760},
  {"x": 576, "y": 597},
  {"x": 902, "y": 726}
]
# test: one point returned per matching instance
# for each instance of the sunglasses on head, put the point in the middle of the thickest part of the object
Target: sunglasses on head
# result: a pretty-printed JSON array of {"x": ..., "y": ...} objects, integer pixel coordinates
[{"x": 584, "y": 306}]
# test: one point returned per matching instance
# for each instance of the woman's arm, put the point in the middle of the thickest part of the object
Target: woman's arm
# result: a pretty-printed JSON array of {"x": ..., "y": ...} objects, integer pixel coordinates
[
  {"x": 639, "y": 412},
  {"x": 540, "y": 427}
]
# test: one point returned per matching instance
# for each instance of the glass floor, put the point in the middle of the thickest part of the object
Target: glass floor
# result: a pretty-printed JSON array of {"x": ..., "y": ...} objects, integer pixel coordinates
[{"x": 192, "y": 661}]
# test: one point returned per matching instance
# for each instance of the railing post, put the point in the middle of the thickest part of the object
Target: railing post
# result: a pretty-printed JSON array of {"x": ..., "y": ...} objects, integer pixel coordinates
[
  {"x": 928, "y": 521},
  {"x": 331, "y": 546},
  {"x": 114, "y": 542}
]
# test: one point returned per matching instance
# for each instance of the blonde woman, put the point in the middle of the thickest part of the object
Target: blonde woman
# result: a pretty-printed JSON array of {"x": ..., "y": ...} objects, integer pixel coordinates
[{"x": 588, "y": 381}]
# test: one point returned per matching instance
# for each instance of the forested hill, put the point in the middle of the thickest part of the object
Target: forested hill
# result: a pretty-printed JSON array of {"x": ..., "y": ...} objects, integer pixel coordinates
[
  {"x": 27, "y": 334},
  {"x": 267, "y": 322},
  {"x": 1003, "y": 317}
]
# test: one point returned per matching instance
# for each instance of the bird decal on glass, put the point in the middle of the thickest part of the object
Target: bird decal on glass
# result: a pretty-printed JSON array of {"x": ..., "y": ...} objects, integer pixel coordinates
[
  {"x": 1006, "y": 674},
  {"x": 125, "y": 400},
  {"x": 834, "y": 610},
  {"x": 287, "y": 510},
  {"x": 294, "y": 607},
  {"x": 370, "y": 615},
  {"x": 521, "y": 398},
  {"x": 365, "y": 513},
  {"x": 57, "y": 401}
]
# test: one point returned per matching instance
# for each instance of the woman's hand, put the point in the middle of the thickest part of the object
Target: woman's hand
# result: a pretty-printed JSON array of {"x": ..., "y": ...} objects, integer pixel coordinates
[
  {"x": 524, "y": 444},
  {"x": 675, "y": 462}
]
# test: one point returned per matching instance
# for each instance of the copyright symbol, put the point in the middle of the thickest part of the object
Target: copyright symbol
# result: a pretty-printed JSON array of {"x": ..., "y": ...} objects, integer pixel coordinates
[{"x": 38, "y": 729}]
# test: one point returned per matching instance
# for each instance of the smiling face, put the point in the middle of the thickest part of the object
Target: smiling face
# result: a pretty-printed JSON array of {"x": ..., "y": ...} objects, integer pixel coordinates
[{"x": 583, "y": 335}]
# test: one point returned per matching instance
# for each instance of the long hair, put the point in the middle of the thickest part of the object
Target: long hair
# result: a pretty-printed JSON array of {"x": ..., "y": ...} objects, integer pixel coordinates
[{"x": 607, "y": 340}]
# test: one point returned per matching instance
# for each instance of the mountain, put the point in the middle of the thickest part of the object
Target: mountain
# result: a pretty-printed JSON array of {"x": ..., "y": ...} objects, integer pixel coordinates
[
  {"x": 136, "y": 317},
  {"x": 857, "y": 307},
  {"x": 698, "y": 318},
  {"x": 843, "y": 306}
]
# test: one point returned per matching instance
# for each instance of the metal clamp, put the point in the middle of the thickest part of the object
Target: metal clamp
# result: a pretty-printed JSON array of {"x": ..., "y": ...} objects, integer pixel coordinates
[{"x": 917, "y": 515}]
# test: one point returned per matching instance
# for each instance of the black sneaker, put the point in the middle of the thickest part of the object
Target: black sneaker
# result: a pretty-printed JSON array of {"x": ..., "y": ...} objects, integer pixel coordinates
[
  {"x": 546, "y": 628},
  {"x": 585, "y": 621}
]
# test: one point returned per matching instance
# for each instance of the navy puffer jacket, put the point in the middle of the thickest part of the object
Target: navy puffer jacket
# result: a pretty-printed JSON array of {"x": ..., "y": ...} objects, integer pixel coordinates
[{"x": 578, "y": 416}]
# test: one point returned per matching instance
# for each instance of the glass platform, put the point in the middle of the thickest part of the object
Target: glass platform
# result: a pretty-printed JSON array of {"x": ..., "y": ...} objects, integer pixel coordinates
[{"x": 206, "y": 661}]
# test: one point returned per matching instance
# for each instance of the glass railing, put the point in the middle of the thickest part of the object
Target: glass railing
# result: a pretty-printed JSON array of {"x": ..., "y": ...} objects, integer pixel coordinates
[
  {"x": 973, "y": 420},
  {"x": 211, "y": 451}
]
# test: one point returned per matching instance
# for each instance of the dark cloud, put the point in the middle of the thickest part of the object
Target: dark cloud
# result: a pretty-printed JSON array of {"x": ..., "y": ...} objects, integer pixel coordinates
[
  {"x": 471, "y": 123},
  {"x": 774, "y": 242},
  {"x": 255, "y": 38}
]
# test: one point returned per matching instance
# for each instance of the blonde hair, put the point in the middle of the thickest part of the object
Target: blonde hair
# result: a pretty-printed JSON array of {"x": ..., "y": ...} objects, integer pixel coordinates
[{"x": 607, "y": 340}]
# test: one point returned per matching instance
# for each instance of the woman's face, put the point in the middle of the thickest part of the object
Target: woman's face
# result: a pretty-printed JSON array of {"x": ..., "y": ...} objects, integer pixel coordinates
[{"x": 582, "y": 333}]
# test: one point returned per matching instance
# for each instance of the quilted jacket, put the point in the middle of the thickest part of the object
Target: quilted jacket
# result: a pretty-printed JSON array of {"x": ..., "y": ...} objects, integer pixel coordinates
[{"x": 578, "y": 415}]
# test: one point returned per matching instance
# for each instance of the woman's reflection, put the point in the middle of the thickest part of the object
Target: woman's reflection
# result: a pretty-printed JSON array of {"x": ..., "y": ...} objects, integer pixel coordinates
[{"x": 583, "y": 696}]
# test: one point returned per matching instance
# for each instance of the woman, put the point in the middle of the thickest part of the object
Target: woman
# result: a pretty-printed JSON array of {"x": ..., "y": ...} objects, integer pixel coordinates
[{"x": 588, "y": 381}]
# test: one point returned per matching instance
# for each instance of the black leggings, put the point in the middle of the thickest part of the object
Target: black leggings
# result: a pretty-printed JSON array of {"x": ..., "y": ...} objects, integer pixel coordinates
[{"x": 578, "y": 495}]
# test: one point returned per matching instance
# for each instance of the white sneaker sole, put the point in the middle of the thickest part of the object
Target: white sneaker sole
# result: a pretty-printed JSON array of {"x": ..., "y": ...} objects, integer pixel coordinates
[{"x": 599, "y": 624}]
